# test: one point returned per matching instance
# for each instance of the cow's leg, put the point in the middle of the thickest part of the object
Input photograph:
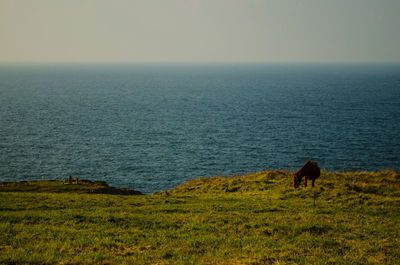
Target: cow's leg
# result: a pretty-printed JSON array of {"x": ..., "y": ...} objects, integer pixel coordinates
[
  {"x": 313, "y": 183},
  {"x": 305, "y": 181}
]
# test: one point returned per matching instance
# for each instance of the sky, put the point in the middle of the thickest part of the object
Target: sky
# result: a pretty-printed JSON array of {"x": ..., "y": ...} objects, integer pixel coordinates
[{"x": 199, "y": 31}]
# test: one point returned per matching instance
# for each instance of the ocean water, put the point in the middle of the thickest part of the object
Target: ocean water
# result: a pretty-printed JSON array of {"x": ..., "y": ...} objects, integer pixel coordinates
[{"x": 151, "y": 127}]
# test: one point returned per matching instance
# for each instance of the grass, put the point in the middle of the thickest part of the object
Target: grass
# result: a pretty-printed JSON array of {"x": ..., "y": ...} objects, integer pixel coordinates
[
  {"x": 57, "y": 186},
  {"x": 261, "y": 220}
]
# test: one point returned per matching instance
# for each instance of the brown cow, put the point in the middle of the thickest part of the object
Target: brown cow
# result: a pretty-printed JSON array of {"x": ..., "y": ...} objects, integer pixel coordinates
[{"x": 309, "y": 170}]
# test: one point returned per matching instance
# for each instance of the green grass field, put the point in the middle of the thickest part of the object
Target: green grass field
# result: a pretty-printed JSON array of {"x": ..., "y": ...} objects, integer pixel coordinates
[{"x": 348, "y": 218}]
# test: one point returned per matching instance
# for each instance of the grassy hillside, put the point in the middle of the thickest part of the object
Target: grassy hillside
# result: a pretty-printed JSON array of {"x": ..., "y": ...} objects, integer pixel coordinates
[
  {"x": 57, "y": 186},
  {"x": 348, "y": 218}
]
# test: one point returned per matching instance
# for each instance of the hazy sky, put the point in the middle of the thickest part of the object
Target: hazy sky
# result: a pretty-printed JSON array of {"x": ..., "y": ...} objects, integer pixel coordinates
[{"x": 199, "y": 30}]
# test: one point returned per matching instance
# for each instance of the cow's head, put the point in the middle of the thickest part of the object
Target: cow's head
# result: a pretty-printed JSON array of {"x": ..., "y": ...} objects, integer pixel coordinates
[{"x": 296, "y": 181}]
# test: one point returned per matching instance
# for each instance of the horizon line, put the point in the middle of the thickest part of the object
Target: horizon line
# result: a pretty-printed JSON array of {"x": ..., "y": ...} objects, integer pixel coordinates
[{"x": 199, "y": 62}]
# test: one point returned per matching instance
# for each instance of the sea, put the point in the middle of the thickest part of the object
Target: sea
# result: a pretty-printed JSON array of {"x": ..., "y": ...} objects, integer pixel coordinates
[{"x": 153, "y": 126}]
